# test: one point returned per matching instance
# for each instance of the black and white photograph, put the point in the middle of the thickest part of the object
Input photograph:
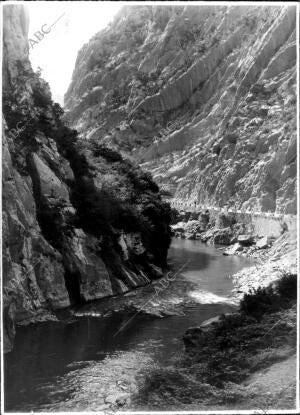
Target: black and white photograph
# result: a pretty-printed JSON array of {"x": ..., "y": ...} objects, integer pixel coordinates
[{"x": 149, "y": 207}]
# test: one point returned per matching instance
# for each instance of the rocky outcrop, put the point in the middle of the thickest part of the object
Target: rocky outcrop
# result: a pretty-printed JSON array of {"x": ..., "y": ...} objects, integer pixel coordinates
[
  {"x": 281, "y": 260},
  {"x": 178, "y": 92},
  {"x": 33, "y": 272},
  {"x": 79, "y": 222},
  {"x": 270, "y": 43},
  {"x": 15, "y": 46},
  {"x": 206, "y": 100}
]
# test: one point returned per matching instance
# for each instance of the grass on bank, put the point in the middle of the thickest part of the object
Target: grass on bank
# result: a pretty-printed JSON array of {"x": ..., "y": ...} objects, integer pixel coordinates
[{"x": 262, "y": 333}]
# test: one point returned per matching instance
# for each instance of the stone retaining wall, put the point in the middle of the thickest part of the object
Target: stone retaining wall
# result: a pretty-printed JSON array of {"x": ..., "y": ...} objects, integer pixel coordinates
[{"x": 258, "y": 223}]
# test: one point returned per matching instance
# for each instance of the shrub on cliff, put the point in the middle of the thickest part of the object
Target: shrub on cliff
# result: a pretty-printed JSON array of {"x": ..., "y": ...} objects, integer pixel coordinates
[
  {"x": 40, "y": 97},
  {"x": 107, "y": 153},
  {"x": 117, "y": 96},
  {"x": 125, "y": 197},
  {"x": 142, "y": 208},
  {"x": 158, "y": 232},
  {"x": 27, "y": 109},
  {"x": 225, "y": 220}
]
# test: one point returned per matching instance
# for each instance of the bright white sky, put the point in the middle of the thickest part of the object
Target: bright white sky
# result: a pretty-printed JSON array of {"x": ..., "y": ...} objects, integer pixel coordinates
[{"x": 56, "y": 53}]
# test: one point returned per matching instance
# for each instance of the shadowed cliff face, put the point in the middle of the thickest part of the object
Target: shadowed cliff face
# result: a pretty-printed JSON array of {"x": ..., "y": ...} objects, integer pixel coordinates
[
  {"x": 79, "y": 222},
  {"x": 203, "y": 97}
]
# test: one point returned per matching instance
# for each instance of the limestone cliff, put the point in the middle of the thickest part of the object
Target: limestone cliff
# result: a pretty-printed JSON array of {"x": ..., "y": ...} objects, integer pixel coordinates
[
  {"x": 79, "y": 222},
  {"x": 203, "y": 97}
]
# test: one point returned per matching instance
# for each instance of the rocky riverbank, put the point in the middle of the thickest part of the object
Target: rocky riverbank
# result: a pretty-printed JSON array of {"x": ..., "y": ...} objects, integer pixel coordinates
[
  {"x": 274, "y": 256},
  {"x": 227, "y": 357},
  {"x": 222, "y": 229},
  {"x": 280, "y": 259}
]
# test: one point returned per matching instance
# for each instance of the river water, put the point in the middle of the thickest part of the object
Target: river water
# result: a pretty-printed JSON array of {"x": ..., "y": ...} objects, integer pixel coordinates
[{"x": 76, "y": 363}]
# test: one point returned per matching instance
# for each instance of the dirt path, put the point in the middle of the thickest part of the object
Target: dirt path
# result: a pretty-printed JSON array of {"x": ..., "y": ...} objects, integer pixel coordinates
[{"x": 275, "y": 386}]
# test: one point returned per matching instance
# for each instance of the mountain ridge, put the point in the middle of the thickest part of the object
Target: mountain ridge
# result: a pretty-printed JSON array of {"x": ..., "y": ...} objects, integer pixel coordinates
[{"x": 222, "y": 78}]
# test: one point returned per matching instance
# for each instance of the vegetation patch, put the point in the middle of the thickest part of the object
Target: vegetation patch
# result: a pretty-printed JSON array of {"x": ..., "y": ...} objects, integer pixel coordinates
[{"x": 227, "y": 353}]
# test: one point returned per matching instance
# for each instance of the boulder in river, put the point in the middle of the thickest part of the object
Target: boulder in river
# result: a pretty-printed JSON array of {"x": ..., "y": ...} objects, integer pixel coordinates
[
  {"x": 208, "y": 324},
  {"x": 245, "y": 240},
  {"x": 222, "y": 236},
  {"x": 178, "y": 227},
  {"x": 207, "y": 235},
  {"x": 192, "y": 227},
  {"x": 194, "y": 338},
  {"x": 263, "y": 242},
  {"x": 232, "y": 250}
]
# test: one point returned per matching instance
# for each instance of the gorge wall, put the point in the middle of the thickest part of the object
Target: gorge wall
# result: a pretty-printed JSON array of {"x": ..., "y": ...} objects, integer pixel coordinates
[
  {"x": 79, "y": 222},
  {"x": 203, "y": 97}
]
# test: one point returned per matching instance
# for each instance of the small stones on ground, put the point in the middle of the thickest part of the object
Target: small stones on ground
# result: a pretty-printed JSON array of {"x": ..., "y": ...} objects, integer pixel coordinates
[
  {"x": 119, "y": 399},
  {"x": 103, "y": 407},
  {"x": 123, "y": 400}
]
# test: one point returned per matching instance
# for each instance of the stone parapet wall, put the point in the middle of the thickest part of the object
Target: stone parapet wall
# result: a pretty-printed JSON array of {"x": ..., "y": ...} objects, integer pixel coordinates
[{"x": 258, "y": 223}]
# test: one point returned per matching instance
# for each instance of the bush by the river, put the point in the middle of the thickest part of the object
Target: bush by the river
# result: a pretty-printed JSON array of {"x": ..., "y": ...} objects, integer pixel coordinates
[{"x": 271, "y": 298}]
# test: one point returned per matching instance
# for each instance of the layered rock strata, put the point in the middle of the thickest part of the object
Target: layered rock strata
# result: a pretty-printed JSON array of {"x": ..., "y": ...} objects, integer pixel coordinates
[{"x": 202, "y": 96}]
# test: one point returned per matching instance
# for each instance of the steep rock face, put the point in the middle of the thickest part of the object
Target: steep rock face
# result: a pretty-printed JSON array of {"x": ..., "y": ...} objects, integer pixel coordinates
[
  {"x": 203, "y": 97},
  {"x": 66, "y": 205},
  {"x": 33, "y": 273}
]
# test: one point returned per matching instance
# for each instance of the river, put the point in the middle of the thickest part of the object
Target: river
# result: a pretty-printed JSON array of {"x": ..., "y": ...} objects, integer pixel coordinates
[{"x": 75, "y": 363}]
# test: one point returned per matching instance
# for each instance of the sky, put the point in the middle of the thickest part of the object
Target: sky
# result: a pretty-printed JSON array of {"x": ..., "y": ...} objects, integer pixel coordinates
[{"x": 73, "y": 24}]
